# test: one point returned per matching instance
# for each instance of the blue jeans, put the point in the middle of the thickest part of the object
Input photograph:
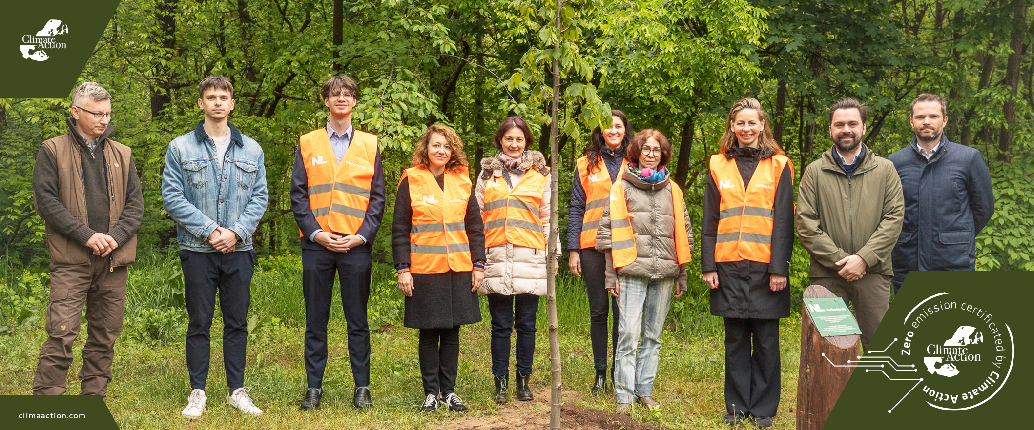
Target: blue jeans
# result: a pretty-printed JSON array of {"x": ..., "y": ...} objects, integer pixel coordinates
[{"x": 643, "y": 305}]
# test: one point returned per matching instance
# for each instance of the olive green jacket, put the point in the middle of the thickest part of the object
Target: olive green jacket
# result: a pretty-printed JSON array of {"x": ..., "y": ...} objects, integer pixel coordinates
[{"x": 839, "y": 216}]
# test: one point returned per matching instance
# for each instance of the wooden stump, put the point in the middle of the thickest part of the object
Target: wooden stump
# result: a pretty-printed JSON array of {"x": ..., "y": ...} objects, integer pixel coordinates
[{"x": 819, "y": 384}]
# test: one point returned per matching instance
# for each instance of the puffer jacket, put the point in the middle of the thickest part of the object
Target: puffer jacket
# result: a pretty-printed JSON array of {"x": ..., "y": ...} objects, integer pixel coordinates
[
  {"x": 513, "y": 269},
  {"x": 653, "y": 221}
]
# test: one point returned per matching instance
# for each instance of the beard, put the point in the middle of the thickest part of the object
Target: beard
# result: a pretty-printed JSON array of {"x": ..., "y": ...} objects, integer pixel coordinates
[
  {"x": 847, "y": 142},
  {"x": 927, "y": 134}
]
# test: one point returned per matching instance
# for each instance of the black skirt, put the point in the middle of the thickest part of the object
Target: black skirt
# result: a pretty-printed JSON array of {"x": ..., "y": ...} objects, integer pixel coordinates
[{"x": 441, "y": 300}]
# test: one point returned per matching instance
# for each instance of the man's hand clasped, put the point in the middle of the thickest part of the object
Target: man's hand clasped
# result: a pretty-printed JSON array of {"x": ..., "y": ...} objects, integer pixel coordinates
[
  {"x": 101, "y": 244},
  {"x": 223, "y": 240}
]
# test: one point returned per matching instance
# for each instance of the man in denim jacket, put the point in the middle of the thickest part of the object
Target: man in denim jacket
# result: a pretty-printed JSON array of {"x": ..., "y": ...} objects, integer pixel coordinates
[{"x": 214, "y": 187}]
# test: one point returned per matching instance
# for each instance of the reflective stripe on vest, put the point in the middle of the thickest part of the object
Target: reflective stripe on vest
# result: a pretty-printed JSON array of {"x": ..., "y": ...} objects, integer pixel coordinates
[
  {"x": 339, "y": 194},
  {"x": 622, "y": 237},
  {"x": 596, "y": 184},
  {"x": 747, "y": 213},
  {"x": 512, "y": 215},
  {"x": 438, "y": 240}
]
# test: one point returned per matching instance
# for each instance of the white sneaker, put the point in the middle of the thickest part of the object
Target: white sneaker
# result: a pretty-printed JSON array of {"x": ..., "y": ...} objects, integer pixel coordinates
[
  {"x": 195, "y": 404},
  {"x": 240, "y": 400}
]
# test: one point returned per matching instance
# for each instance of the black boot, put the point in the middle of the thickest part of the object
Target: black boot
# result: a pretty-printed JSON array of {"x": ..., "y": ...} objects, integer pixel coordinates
[
  {"x": 601, "y": 381},
  {"x": 523, "y": 392},
  {"x": 501, "y": 384}
]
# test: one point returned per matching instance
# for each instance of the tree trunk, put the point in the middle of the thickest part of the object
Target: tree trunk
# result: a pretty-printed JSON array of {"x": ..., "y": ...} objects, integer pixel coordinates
[
  {"x": 1012, "y": 80},
  {"x": 479, "y": 107},
  {"x": 809, "y": 132},
  {"x": 819, "y": 384},
  {"x": 551, "y": 255},
  {"x": 986, "y": 60},
  {"x": 956, "y": 118},
  {"x": 987, "y": 71},
  {"x": 685, "y": 149},
  {"x": 780, "y": 110},
  {"x": 165, "y": 36},
  {"x": 338, "y": 34},
  {"x": 800, "y": 130},
  {"x": 1030, "y": 68}
]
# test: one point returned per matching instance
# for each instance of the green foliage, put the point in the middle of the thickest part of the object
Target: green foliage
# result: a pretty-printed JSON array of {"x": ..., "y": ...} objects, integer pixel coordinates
[
  {"x": 1006, "y": 242},
  {"x": 23, "y": 296}
]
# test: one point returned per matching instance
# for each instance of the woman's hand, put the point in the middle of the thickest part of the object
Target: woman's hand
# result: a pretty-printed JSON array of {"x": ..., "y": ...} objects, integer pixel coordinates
[
  {"x": 575, "y": 263},
  {"x": 616, "y": 290},
  {"x": 476, "y": 278},
  {"x": 776, "y": 282},
  {"x": 678, "y": 293},
  {"x": 711, "y": 279},
  {"x": 406, "y": 283}
]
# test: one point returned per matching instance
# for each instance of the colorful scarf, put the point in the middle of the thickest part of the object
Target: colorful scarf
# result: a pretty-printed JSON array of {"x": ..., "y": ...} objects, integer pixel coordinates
[{"x": 648, "y": 175}]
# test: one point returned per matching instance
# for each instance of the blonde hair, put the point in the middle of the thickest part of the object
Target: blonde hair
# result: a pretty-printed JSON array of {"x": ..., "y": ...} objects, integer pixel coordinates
[{"x": 765, "y": 139}]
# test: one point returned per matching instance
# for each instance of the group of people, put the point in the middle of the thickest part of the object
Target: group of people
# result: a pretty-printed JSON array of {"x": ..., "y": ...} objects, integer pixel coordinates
[{"x": 865, "y": 220}]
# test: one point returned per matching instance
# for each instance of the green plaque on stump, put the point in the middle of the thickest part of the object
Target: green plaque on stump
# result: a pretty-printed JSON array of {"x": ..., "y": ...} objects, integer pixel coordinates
[{"x": 832, "y": 317}]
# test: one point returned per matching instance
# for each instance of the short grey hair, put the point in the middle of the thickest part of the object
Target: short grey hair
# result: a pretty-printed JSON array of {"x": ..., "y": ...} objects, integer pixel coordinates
[{"x": 91, "y": 90}]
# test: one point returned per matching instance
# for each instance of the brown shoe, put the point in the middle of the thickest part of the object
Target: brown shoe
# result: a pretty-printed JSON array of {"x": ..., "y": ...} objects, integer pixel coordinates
[
  {"x": 650, "y": 403},
  {"x": 624, "y": 408}
]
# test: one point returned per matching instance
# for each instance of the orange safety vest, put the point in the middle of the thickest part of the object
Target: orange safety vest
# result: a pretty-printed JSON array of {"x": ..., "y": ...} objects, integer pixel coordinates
[
  {"x": 339, "y": 194},
  {"x": 512, "y": 215},
  {"x": 622, "y": 238},
  {"x": 596, "y": 184},
  {"x": 747, "y": 213},
  {"x": 438, "y": 240}
]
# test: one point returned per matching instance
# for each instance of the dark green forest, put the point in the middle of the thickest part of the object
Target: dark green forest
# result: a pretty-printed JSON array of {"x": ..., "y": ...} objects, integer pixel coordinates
[{"x": 675, "y": 65}]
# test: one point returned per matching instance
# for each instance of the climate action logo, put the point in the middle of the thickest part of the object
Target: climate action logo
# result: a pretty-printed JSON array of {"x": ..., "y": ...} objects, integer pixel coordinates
[
  {"x": 33, "y": 46},
  {"x": 962, "y": 355}
]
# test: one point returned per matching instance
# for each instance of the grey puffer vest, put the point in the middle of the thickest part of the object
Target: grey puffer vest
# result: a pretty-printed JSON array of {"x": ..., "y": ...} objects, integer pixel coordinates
[{"x": 653, "y": 220}]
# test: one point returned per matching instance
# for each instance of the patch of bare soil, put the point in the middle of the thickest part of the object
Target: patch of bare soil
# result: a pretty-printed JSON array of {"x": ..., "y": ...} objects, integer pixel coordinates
[{"x": 535, "y": 415}]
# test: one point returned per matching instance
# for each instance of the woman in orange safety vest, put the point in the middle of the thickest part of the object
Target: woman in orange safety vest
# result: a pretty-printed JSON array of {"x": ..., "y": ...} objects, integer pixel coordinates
[
  {"x": 513, "y": 191},
  {"x": 646, "y": 238},
  {"x": 438, "y": 244},
  {"x": 747, "y": 240},
  {"x": 596, "y": 170}
]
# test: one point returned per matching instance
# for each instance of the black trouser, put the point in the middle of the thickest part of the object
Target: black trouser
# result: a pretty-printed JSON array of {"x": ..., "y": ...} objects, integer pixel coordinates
[
  {"x": 509, "y": 313},
  {"x": 230, "y": 274},
  {"x": 752, "y": 366},
  {"x": 594, "y": 272},
  {"x": 439, "y": 359},
  {"x": 354, "y": 270}
]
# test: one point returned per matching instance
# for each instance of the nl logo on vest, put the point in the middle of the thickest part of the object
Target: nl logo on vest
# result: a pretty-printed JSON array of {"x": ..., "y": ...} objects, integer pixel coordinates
[
  {"x": 430, "y": 200},
  {"x": 724, "y": 183},
  {"x": 317, "y": 160},
  {"x": 32, "y": 47}
]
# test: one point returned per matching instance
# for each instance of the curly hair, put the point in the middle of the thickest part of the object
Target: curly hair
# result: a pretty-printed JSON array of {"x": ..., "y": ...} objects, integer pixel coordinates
[
  {"x": 89, "y": 91},
  {"x": 634, "y": 148},
  {"x": 596, "y": 143},
  {"x": 765, "y": 138},
  {"x": 458, "y": 159}
]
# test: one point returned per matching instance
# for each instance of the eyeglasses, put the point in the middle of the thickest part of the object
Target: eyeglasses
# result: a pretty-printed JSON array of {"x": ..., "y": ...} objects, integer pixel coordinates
[
  {"x": 98, "y": 115},
  {"x": 511, "y": 139},
  {"x": 651, "y": 151},
  {"x": 346, "y": 94}
]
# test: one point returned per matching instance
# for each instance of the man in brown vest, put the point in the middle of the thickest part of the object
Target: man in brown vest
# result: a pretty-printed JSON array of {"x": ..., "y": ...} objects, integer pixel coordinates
[{"x": 86, "y": 188}]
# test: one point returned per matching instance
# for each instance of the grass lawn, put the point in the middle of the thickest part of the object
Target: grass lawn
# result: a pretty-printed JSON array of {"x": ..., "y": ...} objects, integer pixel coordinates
[{"x": 150, "y": 384}]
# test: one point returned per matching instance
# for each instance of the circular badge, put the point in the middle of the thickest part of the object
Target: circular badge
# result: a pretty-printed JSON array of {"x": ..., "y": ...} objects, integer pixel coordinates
[{"x": 963, "y": 355}]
